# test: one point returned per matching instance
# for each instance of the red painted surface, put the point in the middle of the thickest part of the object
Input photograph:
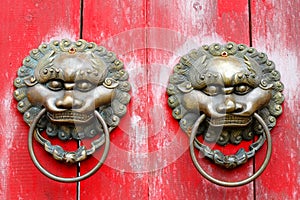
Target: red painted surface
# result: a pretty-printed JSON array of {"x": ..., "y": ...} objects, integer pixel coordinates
[
  {"x": 119, "y": 26},
  {"x": 149, "y": 157},
  {"x": 26, "y": 24},
  {"x": 276, "y": 31},
  {"x": 188, "y": 24}
]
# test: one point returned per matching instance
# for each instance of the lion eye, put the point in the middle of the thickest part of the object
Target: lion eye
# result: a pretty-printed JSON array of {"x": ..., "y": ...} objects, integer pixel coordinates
[
  {"x": 212, "y": 90},
  {"x": 84, "y": 86},
  {"x": 55, "y": 85},
  {"x": 242, "y": 89}
]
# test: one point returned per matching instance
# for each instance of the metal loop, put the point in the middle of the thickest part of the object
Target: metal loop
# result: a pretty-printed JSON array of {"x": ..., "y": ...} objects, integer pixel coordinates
[
  {"x": 62, "y": 179},
  {"x": 230, "y": 161},
  {"x": 237, "y": 183},
  {"x": 60, "y": 154}
]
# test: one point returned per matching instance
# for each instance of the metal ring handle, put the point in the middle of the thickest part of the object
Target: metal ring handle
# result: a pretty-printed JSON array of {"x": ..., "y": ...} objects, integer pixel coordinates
[
  {"x": 237, "y": 183},
  {"x": 58, "y": 178}
]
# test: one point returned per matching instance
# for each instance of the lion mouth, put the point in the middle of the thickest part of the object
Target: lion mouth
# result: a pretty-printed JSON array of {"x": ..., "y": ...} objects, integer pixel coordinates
[
  {"x": 70, "y": 117},
  {"x": 229, "y": 121}
]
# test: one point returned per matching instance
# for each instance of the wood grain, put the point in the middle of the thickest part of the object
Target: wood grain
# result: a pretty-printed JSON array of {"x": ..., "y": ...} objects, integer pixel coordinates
[
  {"x": 184, "y": 25},
  {"x": 275, "y": 31},
  {"x": 119, "y": 26},
  {"x": 149, "y": 157},
  {"x": 24, "y": 26}
]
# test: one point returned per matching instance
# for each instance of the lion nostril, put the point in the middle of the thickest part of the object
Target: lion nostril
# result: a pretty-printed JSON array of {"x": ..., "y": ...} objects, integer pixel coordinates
[
  {"x": 238, "y": 107},
  {"x": 68, "y": 102},
  {"x": 77, "y": 103},
  {"x": 228, "y": 106}
]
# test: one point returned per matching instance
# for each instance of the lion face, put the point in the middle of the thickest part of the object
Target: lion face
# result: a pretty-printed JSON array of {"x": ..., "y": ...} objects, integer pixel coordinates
[
  {"x": 71, "y": 80},
  {"x": 231, "y": 98},
  {"x": 72, "y": 96},
  {"x": 228, "y": 83}
]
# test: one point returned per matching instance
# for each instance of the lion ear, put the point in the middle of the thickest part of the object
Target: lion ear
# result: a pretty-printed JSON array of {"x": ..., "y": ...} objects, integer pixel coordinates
[{"x": 30, "y": 81}]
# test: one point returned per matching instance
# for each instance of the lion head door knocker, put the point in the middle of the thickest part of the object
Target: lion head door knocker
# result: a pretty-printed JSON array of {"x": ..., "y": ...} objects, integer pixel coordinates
[
  {"x": 227, "y": 94},
  {"x": 71, "y": 90}
]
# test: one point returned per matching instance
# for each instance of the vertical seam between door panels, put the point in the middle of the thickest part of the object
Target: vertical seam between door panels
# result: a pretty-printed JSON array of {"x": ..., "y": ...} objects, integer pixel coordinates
[
  {"x": 80, "y": 36},
  {"x": 81, "y": 19}
]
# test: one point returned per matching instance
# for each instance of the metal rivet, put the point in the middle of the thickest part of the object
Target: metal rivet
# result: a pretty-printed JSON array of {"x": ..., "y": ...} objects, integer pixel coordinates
[
  {"x": 21, "y": 104},
  {"x": 241, "y": 47},
  {"x": 205, "y": 47},
  {"x": 269, "y": 63},
  {"x": 108, "y": 82},
  {"x": 278, "y": 107},
  {"x": 250, "y": 50},
  {"x": 217, "y": 47},
  {"x": 114, "y": 119},
  {"x": 27, "y": 115},
  {"x": 229, "y": 46},
  {"x": 78, "y": 43},
  {"x": 188, "y": 85}
]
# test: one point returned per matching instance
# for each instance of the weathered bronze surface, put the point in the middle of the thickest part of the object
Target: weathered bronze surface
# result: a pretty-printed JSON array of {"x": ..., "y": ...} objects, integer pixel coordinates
[
  {"x": 228, "y": 84},
  {"x": 72, "y": 80}
]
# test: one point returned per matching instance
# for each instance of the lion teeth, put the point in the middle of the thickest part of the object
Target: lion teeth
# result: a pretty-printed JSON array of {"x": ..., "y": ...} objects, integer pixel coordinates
[
  {"x": 70, "y": 115},
  {"x": 229, "y": 120}
]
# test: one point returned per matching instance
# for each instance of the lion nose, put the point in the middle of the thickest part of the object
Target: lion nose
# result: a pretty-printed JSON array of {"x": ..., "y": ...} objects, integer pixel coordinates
[
  {"x": 229, "y": 106},
  {"x": 68, "y": 101}
]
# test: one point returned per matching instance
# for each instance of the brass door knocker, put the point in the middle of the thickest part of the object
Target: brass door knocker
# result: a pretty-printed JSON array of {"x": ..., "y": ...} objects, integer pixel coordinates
[
  {"x": 71, "y": 90},
  {"x": 226, "y": 93}
]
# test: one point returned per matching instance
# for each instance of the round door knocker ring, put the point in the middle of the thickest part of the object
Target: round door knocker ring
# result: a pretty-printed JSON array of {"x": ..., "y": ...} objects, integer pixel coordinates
[
  {"x": 32, "y": 132},
  {"x": 266, "y": 134}
]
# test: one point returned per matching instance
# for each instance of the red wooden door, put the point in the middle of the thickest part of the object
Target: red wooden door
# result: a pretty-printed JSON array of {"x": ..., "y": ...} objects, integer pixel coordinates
[{"x": 149, "y": 157}]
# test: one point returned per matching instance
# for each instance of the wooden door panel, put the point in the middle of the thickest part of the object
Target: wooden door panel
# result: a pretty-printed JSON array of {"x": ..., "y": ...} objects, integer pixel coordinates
[
  {"x": 25, "y": 25},
  {"x": 185, "y": 25},
  {"x": 149, "y": 156},
  {"x": 119, "y": 26},
  {"x": 275, "y": 30}
]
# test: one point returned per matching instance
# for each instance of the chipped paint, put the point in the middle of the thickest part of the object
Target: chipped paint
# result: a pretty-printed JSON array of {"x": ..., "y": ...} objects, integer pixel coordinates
[
  {"x": 8, "y": 130},
  {"x": 59, "y": 33},
  {"x": 287, "y": 63}
]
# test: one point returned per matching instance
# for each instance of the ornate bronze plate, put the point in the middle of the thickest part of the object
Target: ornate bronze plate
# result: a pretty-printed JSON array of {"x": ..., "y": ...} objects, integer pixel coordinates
[
  {"x": 221, "y": 92},
  {"x": 72, "y": 91}
]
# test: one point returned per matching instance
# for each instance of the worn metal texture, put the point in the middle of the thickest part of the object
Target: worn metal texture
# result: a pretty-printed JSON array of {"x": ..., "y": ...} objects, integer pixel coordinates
[
  {"x": 228, "y": 84},
  {"x": 149, "y": 151},
  {"x": 71, "y": 80}
]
